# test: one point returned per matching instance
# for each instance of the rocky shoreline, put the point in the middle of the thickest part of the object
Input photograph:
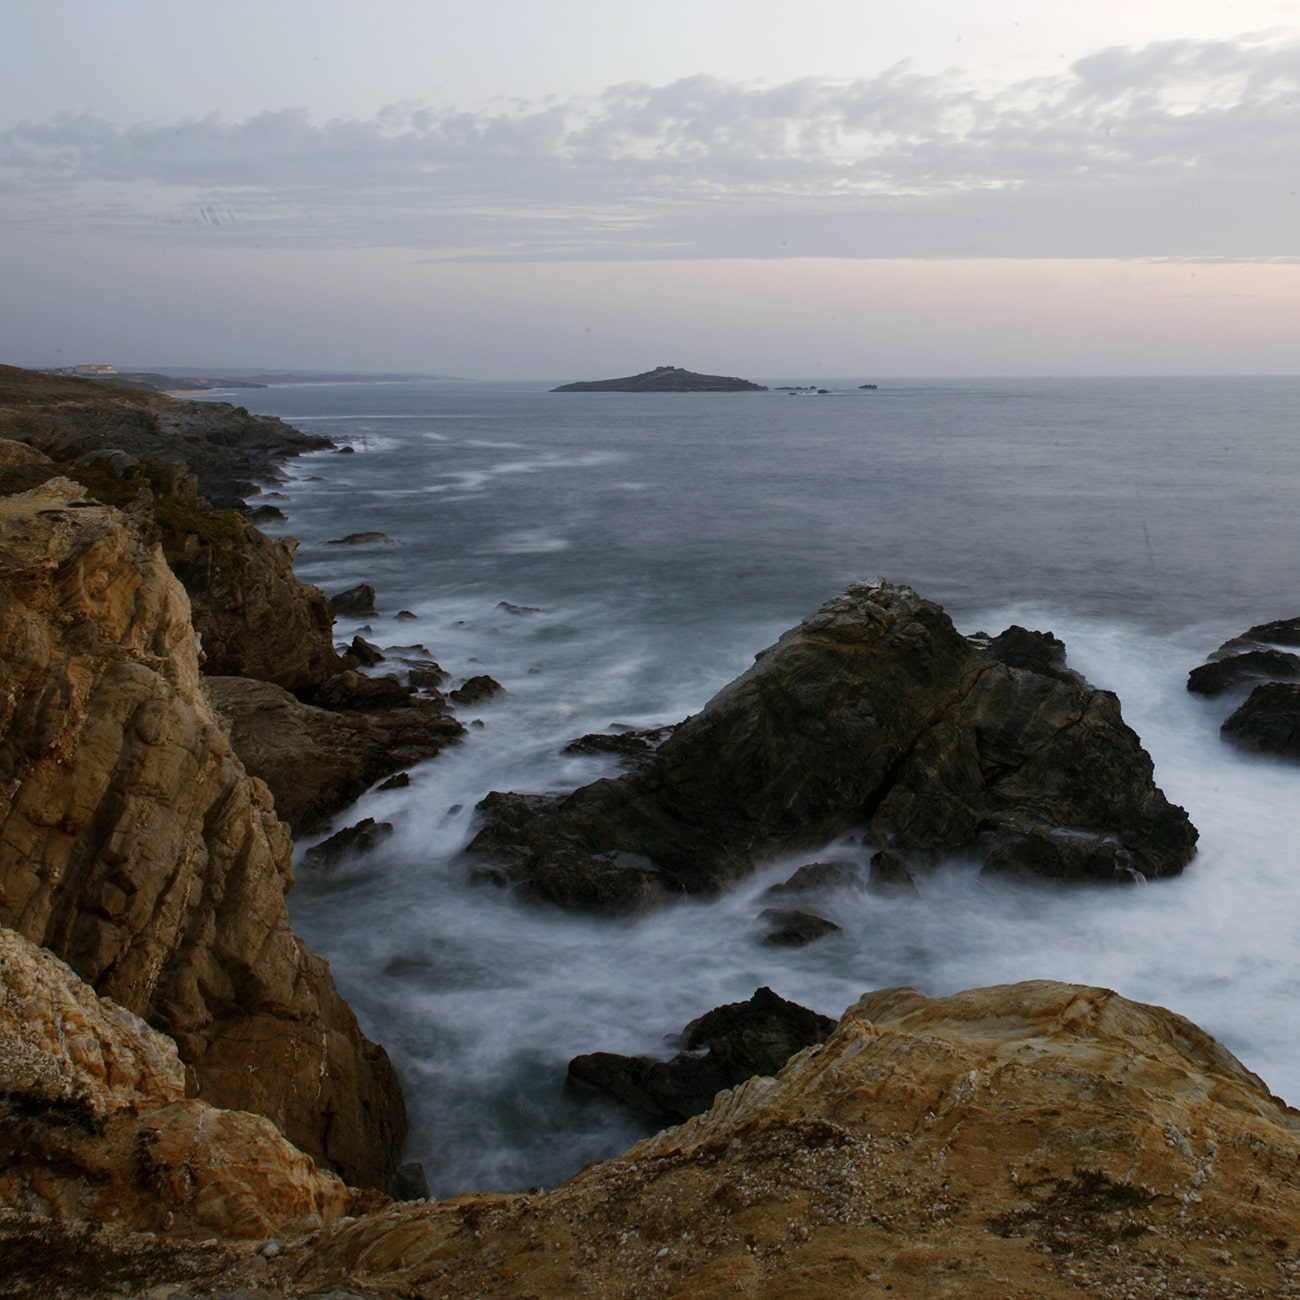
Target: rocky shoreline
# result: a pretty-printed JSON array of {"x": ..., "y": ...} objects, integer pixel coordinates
[{"x": 188, "y": 1107}]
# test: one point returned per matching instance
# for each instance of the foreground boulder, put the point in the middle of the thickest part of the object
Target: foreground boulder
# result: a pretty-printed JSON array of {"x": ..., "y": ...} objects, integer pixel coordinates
[
  {"x": 1036, "y": 1140},
  {"x": 134, "y": 846},
  {"x": 874, "y": 712}
]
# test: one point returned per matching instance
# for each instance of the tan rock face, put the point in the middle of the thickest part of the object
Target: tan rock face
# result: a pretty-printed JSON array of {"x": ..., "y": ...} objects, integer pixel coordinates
[
  {"x": 1029, "y": 1140},
  {"x": 94, "y": 1125},
  {"x": 272, "y": 731},
  {"x": 133, "y": 844},
  {"x": 254, "y": 617}
]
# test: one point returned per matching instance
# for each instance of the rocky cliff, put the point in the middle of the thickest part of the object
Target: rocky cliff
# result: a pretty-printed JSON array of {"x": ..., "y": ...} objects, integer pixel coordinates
[
  {"x": 876, "y": 713},
  {"x": 1030, "y": 1140},
  {"x": 134, "y": 846},
  {"x": 226, "y": 447}
]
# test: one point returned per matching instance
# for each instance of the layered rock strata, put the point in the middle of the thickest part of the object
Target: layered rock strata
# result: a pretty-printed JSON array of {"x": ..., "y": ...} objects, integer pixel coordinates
[
  {"x": 134, "y": 845},
  {"x": 875, "y": 713}
]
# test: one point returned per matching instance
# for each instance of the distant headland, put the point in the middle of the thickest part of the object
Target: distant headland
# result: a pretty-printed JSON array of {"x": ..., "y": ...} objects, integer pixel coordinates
[{"x": 665, "y": 379}]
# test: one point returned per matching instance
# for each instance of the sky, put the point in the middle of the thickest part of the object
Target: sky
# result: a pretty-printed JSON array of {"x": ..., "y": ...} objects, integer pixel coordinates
[{"x": 569, "y": 189}]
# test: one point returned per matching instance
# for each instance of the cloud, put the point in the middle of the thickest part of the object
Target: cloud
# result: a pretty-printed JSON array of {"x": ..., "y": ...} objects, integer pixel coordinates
[{"x": 1180, "y": 148}]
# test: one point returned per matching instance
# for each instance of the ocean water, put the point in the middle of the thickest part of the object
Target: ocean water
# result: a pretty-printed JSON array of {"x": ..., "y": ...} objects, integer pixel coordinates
[{"x": 658, "y": 543}]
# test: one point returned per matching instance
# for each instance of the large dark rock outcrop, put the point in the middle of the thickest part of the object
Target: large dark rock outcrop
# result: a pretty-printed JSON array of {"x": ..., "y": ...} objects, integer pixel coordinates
[
  {"x": 874, "y": 712},
  {"x": 135, "y": 847}
]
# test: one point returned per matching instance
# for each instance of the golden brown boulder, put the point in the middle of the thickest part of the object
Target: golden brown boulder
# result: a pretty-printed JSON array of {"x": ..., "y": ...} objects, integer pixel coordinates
[
  {"x": 1029, "y": 1140},
  {"x": 94, "y": 1126}
]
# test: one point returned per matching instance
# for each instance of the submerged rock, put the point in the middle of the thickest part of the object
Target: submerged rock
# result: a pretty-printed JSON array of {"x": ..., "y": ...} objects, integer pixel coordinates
[
  {"x": 722, "y": 1048},
  {"x": 476, "y": 690},
  {"x": 352, "y": 841},
  {"x": 874, "y": 712},
  {"x": 790, "y": 928}
]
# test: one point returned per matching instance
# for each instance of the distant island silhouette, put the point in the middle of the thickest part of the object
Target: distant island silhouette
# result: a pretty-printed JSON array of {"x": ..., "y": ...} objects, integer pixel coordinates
[{"x": 665, "y": 379}]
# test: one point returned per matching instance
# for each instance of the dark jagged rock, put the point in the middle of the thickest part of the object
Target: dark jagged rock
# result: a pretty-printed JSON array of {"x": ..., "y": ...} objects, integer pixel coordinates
[
  {"x": 815, "y": 878},
  {"x": 363, "y": 653},
  {"x": 476, "y": 690},
  {"x": 889, "y": 874},
  {"x": 722, "y": 1048},
  {"x": 506, "y": 607},
  {"x": 632, "y": 746},
  {"x": 874, "y": 712},
  {"x": 1037, "y": 652},
  {"x": 1281, "y": 631},
  {"x": 664, "y": 379},
  {"x": 356, "y": 602},
  {"x": 1246, "y": 668},
  {"x": 351, "y": 691},
  {"x": 1268, "y": 722},
  {"x": 351, "y": 842},
  {"x": 790, "y": 928},
  {"x": 267, "y": 515}
]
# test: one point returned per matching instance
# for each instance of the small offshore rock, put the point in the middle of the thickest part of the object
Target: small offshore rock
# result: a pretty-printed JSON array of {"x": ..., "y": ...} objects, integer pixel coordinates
[
  {"x": 366, "y": 653},
  {"x": 405, "y": 615},
  {"x": 1036, "y": 652},
  {"x": 814, "y": 877},
  {"x": 890, "y": 874},
  {"x": 1251, "y": 666},
  {"x": 398, "y": 781},
  {"x": 1281, "y": 631},
  {"x": 359, "y": 539},
  {"x": 789, "y": 928},
  {"x": 477, "y": 689},
  {"x": 508, "y": 608},
  {"x": 1268, "y": 722},
  {"x": 353, "y": 841},
  {"x": 355, "y": 601}
]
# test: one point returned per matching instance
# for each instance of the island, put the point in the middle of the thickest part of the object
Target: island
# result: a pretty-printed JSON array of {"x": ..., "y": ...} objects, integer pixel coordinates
[{"x": 665, "y": 379}]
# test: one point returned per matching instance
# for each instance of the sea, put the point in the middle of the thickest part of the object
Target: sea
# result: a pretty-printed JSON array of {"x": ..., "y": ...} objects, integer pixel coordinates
[{"x": 615, "y": 559}]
